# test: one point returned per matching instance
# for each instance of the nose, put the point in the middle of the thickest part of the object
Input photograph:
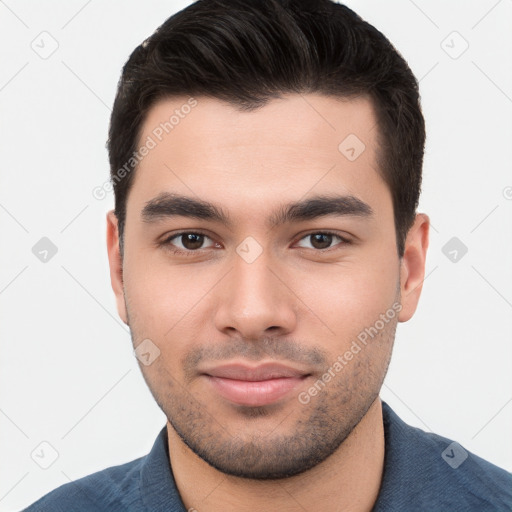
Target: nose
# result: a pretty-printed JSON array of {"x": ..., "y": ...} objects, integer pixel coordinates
[{"x": 254, "y": 301}]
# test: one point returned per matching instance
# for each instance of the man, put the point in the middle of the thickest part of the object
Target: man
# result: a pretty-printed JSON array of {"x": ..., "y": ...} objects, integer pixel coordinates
[{"x": 266, "y": 159}]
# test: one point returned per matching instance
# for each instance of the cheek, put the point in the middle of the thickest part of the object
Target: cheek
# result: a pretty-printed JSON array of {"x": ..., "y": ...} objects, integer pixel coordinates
[
  {"x": 164, "y": 303},
  {"x": 350, "y": 297}
]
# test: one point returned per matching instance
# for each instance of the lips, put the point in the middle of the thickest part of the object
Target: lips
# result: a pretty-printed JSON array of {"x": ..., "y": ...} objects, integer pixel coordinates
[{"x": 254, "y": 386}]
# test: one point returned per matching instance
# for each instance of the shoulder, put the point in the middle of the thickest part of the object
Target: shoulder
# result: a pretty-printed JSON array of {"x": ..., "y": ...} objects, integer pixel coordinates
[
  {"x": 146, "y": 483},
  {"x": 114, "y": 488},
  {"x": 456, "y": 476},
  {"x": 426, "y": 471}
]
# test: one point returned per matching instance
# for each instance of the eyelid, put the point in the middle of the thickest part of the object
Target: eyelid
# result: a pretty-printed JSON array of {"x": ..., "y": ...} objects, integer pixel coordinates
[
  {"x": 345, "y": 240},
  {"x": 166, "y": 242}
]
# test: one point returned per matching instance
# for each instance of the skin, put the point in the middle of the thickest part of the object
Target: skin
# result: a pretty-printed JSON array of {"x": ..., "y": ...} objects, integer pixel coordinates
[{"x": 297, "y": 302}]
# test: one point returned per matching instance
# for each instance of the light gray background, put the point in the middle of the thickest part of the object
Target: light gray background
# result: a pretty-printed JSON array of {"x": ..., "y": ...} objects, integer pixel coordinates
[{"x": 68, "y": 375}]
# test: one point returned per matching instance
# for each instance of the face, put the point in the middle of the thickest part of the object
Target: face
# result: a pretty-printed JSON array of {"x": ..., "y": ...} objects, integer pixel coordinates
[{"x": 260, "y": 277}]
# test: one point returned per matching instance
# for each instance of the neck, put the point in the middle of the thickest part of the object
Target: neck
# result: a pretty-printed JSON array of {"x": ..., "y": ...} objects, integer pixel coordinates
[{"x": 349, "y": 479}]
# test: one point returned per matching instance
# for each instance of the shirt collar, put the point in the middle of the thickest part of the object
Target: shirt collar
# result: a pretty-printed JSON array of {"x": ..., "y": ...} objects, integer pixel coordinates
[{"x": 158, "y": 487}]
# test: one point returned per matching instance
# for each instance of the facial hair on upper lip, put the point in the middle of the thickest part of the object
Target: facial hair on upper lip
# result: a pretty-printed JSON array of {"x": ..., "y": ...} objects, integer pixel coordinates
[{"x": 268, "y": 349}]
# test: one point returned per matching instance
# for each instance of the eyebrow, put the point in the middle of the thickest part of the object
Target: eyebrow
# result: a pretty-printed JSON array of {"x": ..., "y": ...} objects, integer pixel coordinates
[{"x": 167, "y": 205}]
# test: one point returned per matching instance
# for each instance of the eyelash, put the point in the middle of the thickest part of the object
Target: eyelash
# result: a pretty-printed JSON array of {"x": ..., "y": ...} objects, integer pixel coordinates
[{"x": 168, "y": 245}]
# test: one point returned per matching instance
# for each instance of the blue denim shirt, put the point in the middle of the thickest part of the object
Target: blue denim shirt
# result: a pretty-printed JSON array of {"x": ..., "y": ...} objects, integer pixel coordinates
[{"x": 422, "y": 472}]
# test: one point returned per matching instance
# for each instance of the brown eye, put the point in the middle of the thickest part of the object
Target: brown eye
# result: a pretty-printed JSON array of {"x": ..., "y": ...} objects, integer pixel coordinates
[
  {"x": 192, "y": 241},
  {"x": 322, "y": 241},
  {"x": 188, "y": 241}
]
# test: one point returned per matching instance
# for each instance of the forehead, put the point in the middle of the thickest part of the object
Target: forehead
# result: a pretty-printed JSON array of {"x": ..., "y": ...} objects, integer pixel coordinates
[{"x": 280, "y": 152}]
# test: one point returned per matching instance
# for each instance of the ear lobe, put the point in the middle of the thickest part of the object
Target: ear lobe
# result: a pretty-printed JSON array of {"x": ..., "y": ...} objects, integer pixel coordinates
[
  {"x": 116, "y": 264},
  {"x": 412, "y": 267}
]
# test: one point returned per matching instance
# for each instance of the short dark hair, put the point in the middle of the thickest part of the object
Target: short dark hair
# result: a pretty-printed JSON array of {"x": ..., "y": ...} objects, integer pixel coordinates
[{"x": 247, "y": 52}]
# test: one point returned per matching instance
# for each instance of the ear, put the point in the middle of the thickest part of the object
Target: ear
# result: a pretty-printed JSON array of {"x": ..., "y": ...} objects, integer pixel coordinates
[
  {"x": 412, "y": 266},
  {"x": 116, "y": 264}
]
